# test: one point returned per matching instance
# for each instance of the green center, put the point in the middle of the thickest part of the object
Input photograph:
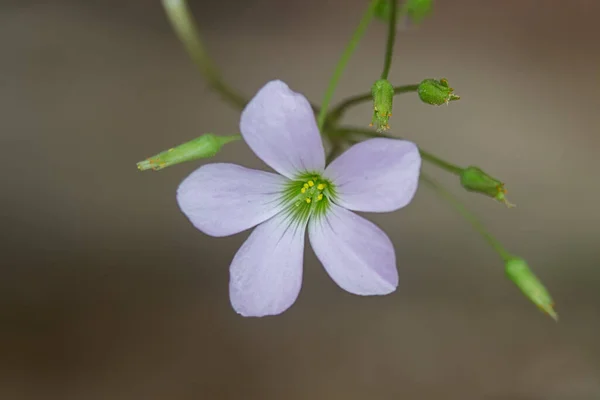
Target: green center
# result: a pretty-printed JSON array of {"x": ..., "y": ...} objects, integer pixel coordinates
[{"x": 308, "y": 195}]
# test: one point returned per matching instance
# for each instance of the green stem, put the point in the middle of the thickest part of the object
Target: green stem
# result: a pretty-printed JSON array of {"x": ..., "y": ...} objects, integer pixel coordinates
[
  {"x": 462, "y": 210},
  {"x": 443, "y": 164},
  {"x": 337, "y": 112},
  {"x": 389, "y": 50},
  {"x": 182, "y": 22},
  {"x": 341, "y": 65}
]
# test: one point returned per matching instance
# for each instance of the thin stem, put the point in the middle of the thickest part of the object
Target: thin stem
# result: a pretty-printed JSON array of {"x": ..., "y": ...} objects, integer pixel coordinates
[
  {"x": 389, "y": 50},
  {"x": 182, "y": 22},
  {"x": 466, "y": 214},
  {"x": 443, "y": 164},
  {"x": 341, "y": 65},
  {"x": 337, "y": 112}
]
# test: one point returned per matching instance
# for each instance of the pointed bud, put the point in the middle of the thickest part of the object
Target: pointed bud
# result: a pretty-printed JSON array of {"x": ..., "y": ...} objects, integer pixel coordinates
[
  {"x": 202, "y": 147},
  {"x": 474, "y": 179},
  {"x": 518, "y": 271},
  {"x": 432, "y": 91},
  {"x": 383, "y": 97}
]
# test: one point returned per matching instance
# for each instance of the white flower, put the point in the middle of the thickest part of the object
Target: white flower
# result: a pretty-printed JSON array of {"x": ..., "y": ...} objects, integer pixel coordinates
[{"x": 377, "y": 175}]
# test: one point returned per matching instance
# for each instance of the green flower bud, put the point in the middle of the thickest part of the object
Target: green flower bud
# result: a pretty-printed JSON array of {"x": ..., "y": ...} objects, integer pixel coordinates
[
  {"x": 202, "y": 147},
  {"x": 417, "y": 10},
  {"x": 383, "y": 97},
  {"x": 432, "y": 91},
  {"x": 518, "y": 272},
  {"x": 474, "y": 179}
]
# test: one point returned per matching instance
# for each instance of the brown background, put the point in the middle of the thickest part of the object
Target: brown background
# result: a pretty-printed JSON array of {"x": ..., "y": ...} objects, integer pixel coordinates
[{"x": 107, "y": 292}]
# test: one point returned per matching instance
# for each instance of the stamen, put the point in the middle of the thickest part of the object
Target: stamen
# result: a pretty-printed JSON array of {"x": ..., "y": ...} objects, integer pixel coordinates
[
  {"x": 308, "y": 200},
  {"x": 311, "y": 183},
  {"x": 321, "y": 186}
]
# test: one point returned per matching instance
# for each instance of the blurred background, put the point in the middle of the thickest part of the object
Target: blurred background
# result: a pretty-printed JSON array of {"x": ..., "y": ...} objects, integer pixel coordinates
[{"x": 108, "y": 292}]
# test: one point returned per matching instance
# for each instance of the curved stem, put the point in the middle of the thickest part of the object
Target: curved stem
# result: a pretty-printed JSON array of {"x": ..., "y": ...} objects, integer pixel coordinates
[
  {"x": 182, "y": 22},
  {"x": 443, "y": 164},
  {"x": 341, "y": 65},
  {"x": 389, "y": 49},
  {"x": 466, "y": 214},
  {"x": 337, "y": 112}
]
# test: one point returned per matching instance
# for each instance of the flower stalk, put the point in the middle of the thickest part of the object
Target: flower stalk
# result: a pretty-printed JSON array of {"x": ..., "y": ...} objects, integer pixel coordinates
[
  {"x": 345, "y": 58},
  {"x": 391, "y": 39},
  {"x": 183, "y": 23}
]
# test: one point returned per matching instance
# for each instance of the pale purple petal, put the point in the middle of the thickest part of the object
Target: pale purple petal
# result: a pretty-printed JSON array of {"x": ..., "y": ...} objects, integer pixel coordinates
[
  {"x": 377, "y": 175},
  {"x": 224, "y": 199},
  {"x": 280, "y": 127},
  {"x": 266, "y": 272},
  {"x": 356, "y": 253}
]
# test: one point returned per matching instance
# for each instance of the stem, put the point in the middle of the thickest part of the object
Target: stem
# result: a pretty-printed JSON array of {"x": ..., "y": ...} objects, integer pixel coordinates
[
  {"x": 182, "y": 22},
  {"x": 443, "y": 164},
  {"x": 390, "y": 40},
  {"x": 337, "y": 112},
  {"x": 341, "y": 65},
  {"x": 462, "y": 210}
]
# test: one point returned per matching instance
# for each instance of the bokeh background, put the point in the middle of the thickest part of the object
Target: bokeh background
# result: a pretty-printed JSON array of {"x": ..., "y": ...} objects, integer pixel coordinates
[{"x": 107, "y": 291}]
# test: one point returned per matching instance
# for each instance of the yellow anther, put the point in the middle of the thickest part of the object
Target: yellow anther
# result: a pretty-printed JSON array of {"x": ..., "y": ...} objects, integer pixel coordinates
[
  {"x": 320, "y": 197},
  {"x": 305, "y": 186},
  {"x": 311, "y": 183},
  {"x": 302, "y": 190},
  {"x": 321, "y": 186},
  {"x": 308, "y": 200}
]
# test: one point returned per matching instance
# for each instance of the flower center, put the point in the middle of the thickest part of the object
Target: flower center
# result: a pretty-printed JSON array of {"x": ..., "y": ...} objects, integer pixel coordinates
[{"x": 308, "y": 195}]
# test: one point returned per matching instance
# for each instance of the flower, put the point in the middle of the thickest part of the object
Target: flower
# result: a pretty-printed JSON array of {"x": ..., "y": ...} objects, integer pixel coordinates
[{"x": 377, "y": 175}]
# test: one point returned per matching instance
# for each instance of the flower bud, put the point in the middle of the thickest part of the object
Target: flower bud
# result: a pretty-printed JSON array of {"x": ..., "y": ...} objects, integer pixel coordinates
[
  {"x": 432, "y": 91},
  {"x": 383, "y": 97},
  {"x": 417, "y": 10},
  {"x": 202, "y": 147},
  {"x": 518, "y": 271},
  {"x": 474, "y": 179}
]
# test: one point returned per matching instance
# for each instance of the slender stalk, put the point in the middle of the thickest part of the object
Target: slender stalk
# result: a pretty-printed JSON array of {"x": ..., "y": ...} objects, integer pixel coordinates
[
  {"x": 183, "y": 23},
  {"x": 466, "y": 214},
  {"x": 341, "y": 65},
  {"x": 389, "y": 49},
  {"x": 338, "y": 111},
  {"x": 443, "y": 164},
  {"x": 427, "y": 156}
]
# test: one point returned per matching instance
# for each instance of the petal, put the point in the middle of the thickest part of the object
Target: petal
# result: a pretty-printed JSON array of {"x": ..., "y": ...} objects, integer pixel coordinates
[
  {"x": 266, "y": 272},
  {"x": 224, "y": 199},
  {"x": 357, "y": 255},
  {"x": 280, "y": 127},
  {"x": 377, "y": 175}
]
